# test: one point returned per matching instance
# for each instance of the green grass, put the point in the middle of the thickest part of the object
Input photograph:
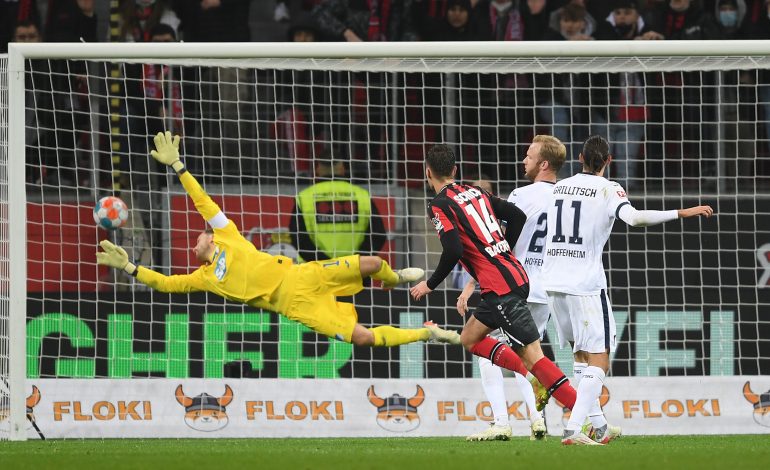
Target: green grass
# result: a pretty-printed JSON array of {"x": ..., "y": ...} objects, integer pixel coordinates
[{"x": 630, "y": 452}]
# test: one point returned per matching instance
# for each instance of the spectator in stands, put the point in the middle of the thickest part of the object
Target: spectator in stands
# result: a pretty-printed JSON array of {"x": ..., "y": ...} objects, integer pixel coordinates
[
  {"x": 214, "y": 20},
  {"x": 686, "y": 102},
  {"x": 226, "y": 92},
  {"x": 365, "y": 20},
  {"x": 72, "y": 21},
  {"x": 41, "y": 162},
  {"x": 61, "y": 101},
  {"x": 495, "y": 118},
  {"x": 571, "y": 23},
  {"x": 304, "y": 29},
  {"x": 153, "y": 104},
  {"x": 139, "y": 17},
  {"x": 12, "y": 13},
  {"x": 756, "y": 25},
  {"x": 563, "y": 100},
  {"x": 621, "y": 99},
  {"x": 498, "y": 20},
  {"x": 681, "y": 19},
  {"x": 756, "y": 22},
  {"x": 536, "y": 15},
  {"x": 27, "y": 31},
  {"x": 368, "y": 20},
  {"x": 589, "y": 23},
  {"x": 729, "y": 15},
  {"x": 303, "y": 116},
  {"x": 454, "y": 26},
  {"x": 624, "y": 23}
]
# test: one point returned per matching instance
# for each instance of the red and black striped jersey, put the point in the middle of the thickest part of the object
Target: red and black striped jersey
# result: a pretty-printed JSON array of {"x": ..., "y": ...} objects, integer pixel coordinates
[{"x": 487, "y": 255}]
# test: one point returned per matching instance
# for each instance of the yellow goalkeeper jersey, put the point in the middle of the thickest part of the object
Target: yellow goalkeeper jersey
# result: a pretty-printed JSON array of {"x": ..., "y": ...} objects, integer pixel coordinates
[{"x": 237, "y": 271}]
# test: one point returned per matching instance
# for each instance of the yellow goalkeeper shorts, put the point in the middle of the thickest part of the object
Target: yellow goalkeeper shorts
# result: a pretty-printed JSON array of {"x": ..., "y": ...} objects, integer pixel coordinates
[{"x": 309, "y": 293}]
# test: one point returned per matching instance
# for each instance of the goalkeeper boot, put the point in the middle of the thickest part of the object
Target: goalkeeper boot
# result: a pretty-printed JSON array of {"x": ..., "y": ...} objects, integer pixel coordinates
[
  {"x": 577, "y": 438},
  {"x": 440, "y": 335},
  {"x": 405, "y": 275},
  {"x": 604, "y": 434},
  {"x": 493, "y": 433},
  {"x": 539, "y": 432},
  {"x": 541, "y": 393}
]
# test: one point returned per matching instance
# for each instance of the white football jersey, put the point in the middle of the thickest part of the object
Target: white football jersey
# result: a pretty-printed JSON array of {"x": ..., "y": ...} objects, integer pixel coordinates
[
  {"x": 582, "y": 211},
  {"x": 534, "y": 200}
]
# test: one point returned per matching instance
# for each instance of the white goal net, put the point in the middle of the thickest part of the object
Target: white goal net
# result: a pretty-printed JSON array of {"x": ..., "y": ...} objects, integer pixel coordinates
[{"x": 264, "y": 132}]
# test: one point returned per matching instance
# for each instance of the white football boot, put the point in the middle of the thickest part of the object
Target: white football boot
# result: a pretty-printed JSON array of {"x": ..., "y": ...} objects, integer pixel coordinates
[{"x": 492, "y": 433}]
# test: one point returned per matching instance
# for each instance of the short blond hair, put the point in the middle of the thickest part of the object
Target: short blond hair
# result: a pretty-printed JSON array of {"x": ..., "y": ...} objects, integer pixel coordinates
[{"x": 552, "y": 151}]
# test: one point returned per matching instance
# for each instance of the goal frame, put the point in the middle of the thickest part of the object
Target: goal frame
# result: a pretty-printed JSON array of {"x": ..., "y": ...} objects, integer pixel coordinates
[{"x": 173, "y": 52}]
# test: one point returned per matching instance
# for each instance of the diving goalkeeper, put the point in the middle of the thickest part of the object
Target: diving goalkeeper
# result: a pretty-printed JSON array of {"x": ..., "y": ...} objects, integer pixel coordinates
[{"x": 233, "y": 268}]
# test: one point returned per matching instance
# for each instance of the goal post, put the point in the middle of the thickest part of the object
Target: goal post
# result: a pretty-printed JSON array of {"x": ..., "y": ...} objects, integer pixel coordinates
[{"x": 262, "y": 122}]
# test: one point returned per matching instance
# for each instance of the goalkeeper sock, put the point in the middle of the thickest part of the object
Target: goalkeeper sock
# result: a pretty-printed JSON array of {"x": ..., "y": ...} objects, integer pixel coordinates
[
  {"x": 385, "y": 274},
  {"x": 555, "y": 381},
  {"x": 492, "y": 382},
  {"x": 499, "y": 354},
  {"x": 392, "y": 336}
]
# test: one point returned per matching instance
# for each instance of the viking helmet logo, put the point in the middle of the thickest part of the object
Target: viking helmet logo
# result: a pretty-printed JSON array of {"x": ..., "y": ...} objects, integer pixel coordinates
[{"x": 396, "y": 413}]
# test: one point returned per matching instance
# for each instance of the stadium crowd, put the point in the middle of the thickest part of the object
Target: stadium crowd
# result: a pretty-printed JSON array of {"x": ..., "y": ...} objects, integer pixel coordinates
[{"x": 498, "y": 113}]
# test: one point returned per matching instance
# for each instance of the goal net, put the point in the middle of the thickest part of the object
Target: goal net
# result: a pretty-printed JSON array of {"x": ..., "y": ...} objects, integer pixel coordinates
[{"x": 317, "y": 151}]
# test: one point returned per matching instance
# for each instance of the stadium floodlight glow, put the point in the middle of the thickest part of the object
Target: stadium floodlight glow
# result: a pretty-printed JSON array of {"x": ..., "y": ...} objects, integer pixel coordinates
[{"x": 262, "y": 121}]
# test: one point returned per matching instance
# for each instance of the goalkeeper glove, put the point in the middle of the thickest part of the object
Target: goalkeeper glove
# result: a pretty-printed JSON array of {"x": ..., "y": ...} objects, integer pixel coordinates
[
  {"x": 115, "y": 257},
  {"x": 167, "y": 150}
]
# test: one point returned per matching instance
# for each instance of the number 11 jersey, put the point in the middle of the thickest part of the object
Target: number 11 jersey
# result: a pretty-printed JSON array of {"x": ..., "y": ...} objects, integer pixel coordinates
[{"x": 580, "y": 219}]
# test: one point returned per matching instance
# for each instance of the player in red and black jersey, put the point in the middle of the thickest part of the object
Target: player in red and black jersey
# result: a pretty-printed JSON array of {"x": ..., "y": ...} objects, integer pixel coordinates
[{"x": 466, "y": 219}]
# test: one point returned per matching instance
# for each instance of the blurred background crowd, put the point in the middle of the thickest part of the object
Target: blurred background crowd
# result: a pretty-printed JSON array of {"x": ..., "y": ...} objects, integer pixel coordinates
[{"x": 274, "y": 123}]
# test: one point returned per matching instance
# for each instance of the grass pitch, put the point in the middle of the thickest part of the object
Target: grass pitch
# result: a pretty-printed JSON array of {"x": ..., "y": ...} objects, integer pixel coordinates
[{"x": 629, "y": 452}]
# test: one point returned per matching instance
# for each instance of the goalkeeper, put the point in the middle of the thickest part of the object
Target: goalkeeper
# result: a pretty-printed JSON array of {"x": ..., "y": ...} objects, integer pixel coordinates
[{"x": 233, "y": 268}]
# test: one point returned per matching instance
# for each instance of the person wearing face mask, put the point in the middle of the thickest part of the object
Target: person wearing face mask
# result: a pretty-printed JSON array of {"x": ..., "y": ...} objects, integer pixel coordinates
[{"x": 729, "y": 15}]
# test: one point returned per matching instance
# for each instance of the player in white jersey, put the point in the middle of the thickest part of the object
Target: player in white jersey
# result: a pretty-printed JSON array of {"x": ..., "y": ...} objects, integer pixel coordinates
[
  {"x": 580, "y": 218},
  {"x": 544, "y": 158}
]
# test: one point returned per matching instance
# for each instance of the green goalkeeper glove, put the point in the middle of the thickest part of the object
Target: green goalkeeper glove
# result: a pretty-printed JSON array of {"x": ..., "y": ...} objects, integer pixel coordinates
[
  {"x": 167, "y": 150},
  {"x": 115, "y": 257}
]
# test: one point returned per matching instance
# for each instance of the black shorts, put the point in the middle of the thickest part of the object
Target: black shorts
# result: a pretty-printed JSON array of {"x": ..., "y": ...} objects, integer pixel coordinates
[{"x": 511, "y": 314}]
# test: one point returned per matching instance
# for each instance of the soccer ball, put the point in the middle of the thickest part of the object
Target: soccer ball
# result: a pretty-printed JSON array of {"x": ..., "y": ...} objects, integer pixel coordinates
[{"x": 111, "y": 213}]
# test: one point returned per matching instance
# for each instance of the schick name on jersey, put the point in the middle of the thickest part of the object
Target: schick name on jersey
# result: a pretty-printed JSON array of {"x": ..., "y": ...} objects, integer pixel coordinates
[
  {"x": 575, "y": 191},
  {"x": 466, "y": 196},
  {"x": 497, "y": 248}
]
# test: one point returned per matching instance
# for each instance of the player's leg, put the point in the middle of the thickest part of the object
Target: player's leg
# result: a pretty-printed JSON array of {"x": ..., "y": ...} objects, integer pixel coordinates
[
  {"x": 594, "y": 335},
  {"x": 598, "y": 428},
  {"x": 390, "y": 336},
  {"x": 512, "y": 315},
  {"x": 541, "y": 313},
  {"x": 474, "y": 338},
  {"x": 377, "y": 268},
  {"x": 492, "y": 383}
]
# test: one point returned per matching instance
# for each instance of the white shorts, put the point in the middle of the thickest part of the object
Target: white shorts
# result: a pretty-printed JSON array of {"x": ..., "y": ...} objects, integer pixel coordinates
[
  {"x": 540, "y": 313},
  {"x": 586, "y": 320}
]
